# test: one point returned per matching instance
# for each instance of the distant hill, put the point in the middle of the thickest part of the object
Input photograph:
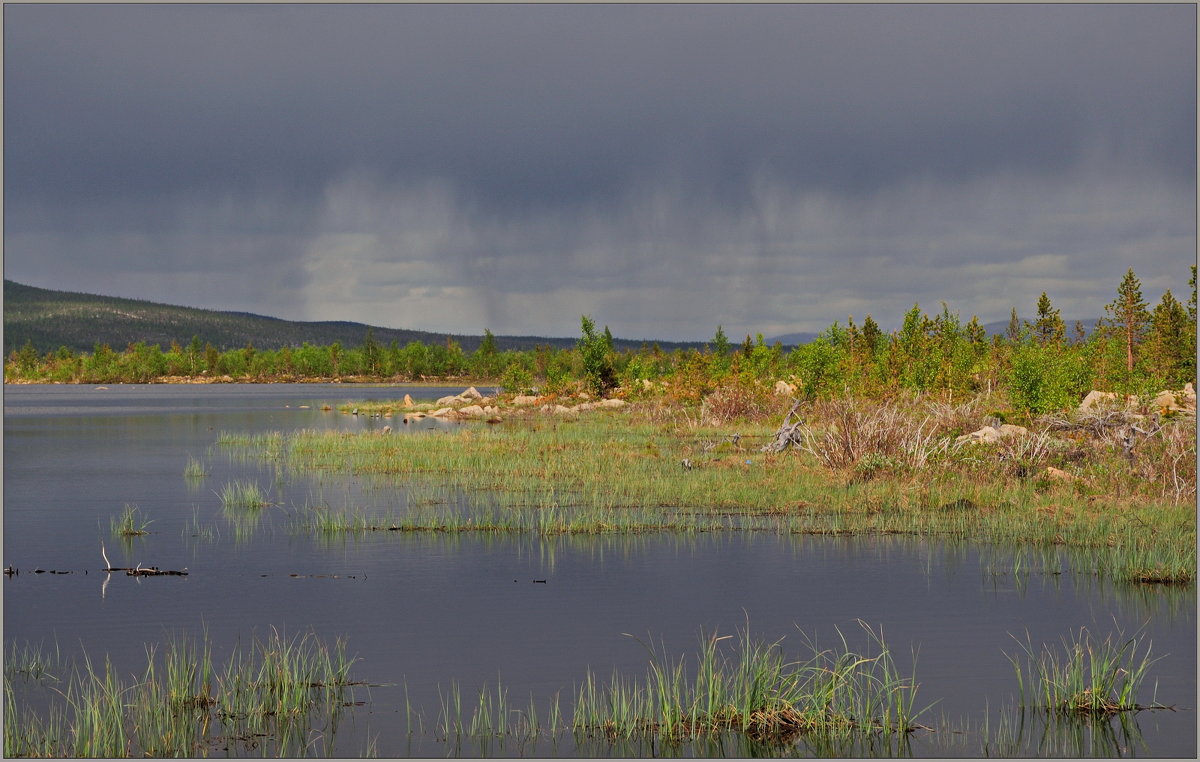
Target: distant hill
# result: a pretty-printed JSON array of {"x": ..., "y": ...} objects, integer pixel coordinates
[{"x": 50, "y": 319}]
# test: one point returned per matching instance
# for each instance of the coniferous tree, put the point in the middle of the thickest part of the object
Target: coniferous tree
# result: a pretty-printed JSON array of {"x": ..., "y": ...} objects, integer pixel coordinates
[
  {"x": 1127, "y": 317},
  {"x": 1014, "y": 326},
  {"x": 1049, "y": 328},
  {"x": 1168, "y": 340},
  {"x": 870, "y": 334},
  {"x": 720, "y": 343}
]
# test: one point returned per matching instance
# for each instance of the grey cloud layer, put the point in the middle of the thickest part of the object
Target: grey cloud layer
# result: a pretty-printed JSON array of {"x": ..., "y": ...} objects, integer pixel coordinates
[{"x": 666, "y": 167}]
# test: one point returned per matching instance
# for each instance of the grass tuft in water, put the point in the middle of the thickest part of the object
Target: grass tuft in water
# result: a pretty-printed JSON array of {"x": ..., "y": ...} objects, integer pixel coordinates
[
  {"x": 1087, "y": 676},
  {"x": 194, "y": 469},
  {"x": 131, "y": 523},
  {"x": 245, "y": 495},
  {"x": 282, "y": 697},
  {"x": 754, "y": 691}
]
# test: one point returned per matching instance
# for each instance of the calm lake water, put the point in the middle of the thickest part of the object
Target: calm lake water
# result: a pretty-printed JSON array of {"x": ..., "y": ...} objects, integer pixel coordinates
[{"x": 422, "y": 610}]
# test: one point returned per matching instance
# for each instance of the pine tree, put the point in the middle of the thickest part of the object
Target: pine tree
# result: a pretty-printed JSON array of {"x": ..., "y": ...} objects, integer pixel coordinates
[
  {"x": 1168, "y": 339},
  {"x": 870, "y": 334},
  {"x": 1049, "y": 328},
  {"x": 1127, "y": 316},
  {"x": 720, "y": 343},
  {"x": 1014, "y": 326}
]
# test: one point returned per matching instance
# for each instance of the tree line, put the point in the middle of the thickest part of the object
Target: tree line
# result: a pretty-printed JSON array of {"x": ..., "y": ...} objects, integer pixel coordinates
[{"x": 1042, "y": 364}]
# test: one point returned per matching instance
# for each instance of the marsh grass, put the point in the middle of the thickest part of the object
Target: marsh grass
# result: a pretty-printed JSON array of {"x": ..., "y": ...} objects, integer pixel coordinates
[
  {"x": 278, "y": 697},
  {"x": 31, "y": 662},
  {"x": 756, "y": 691},
  {"x": 614, "y": 473},
  {"x": 1086, "y": 677},
  {"x": 131, "y": 522},
  {"x": 242, "y": 495},
  {"x": 194, "y": 470}
]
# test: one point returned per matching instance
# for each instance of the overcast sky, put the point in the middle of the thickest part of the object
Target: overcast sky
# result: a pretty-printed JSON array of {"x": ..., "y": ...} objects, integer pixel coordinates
[{"x": 663, "y": 168}]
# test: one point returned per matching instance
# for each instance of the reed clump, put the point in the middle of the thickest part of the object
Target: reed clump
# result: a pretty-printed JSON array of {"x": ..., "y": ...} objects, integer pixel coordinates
[
  {"x": 194, "y": 469},
  {"x": 279, "y": 696},
  {"x": 1087, "y": 677},
  {"x": 242, "y": 495},
  {"x": 756, "y": 691},
  {"x": 131, "y": 522}
]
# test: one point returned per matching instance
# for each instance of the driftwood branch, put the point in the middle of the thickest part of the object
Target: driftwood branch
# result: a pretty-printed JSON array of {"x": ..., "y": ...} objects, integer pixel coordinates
[{"x": 789, "y": 433}]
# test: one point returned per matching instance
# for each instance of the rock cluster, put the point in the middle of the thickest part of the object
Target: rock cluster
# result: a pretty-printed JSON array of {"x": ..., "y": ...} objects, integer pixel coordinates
[
  {"x": 1166, "y": 401},
  {"x": 471, "y": 405}
]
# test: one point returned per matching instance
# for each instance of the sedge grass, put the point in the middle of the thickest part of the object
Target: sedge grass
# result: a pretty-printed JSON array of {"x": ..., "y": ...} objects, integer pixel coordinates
[
  {"x": 1087, "y": 676},
  {"x": 242, "y": 495},
  {"x": 131, "y": 523},
  {"x": 755, "y": 691},
  {"x": 612, "y": 473},
  {"x": 195, "y": 469},
  {"x": 277, "y": 696}
]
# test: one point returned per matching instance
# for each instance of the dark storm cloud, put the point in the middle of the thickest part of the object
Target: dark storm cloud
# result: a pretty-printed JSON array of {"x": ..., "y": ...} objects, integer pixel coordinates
[{"x": 529, "y": 162}]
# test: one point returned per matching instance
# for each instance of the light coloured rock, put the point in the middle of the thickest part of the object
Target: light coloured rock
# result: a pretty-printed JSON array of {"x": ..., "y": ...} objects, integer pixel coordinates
[
  {"x": 522, "y": 400},
  {"x": 1095, "y": 399},
  {"x": 611, "y": 403},
  {"x": 1057, "y": 474},
  {"x": 1178, "y": 401},
  {"x": 783, "y": 388},
  {"x": 441, "y": 412},
  {"x": 561, "y": 410},
  {"x": 452, "y": 399},
  {"x": 647, "y": 384},
  {"x": 408, "y": 400},
  {"x": 491, "y": 410},
  {"x": 993, "y": 434},
  {"x": 470, "y": 411},
  {"x": 1166, "y": 401},
  {"x": 470, "y": 393},
  {"x": 583, "y": 407},
  {"x": 584, "y": 396}
]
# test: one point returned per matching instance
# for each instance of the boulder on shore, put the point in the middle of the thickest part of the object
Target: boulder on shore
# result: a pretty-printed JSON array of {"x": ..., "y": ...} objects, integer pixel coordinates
[
  {"x": 470, "y": 393},
  {"x": 993, "y": 434}
]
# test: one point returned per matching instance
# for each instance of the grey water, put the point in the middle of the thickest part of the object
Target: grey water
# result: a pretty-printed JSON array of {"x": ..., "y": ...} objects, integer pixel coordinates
[{"x": 424, "y": 610}]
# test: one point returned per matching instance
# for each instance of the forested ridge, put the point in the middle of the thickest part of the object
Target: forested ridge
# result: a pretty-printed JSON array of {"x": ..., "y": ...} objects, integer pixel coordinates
[
  {"x": 1038, "y": 365},
  {"x": 49, "y": 320}
]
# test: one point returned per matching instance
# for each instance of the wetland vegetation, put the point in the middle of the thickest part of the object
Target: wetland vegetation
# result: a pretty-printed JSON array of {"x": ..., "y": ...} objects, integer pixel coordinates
[{"x": 858, "y": 436}]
